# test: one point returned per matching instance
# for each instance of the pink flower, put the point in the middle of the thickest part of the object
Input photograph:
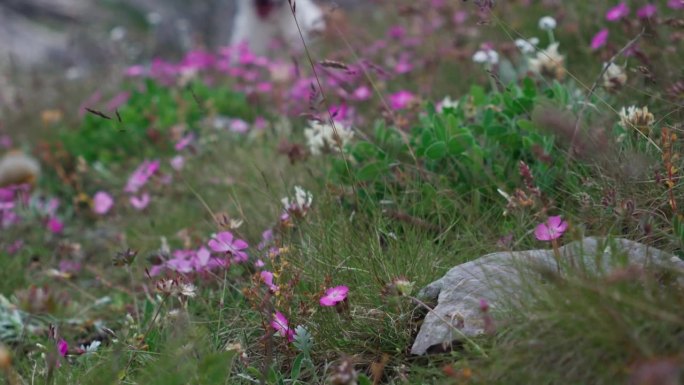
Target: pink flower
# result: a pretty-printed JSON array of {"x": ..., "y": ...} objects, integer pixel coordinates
[
  {"x": 135, "y": 71},
  {"x": 675, "y": 4},
  {"x": 267, "y": 277},
  {"x": 62, "y": 347},
  {"x": 141, "y": 175},
  {"x": 67, "y": 266},
  {"x": 553, "y": 228},
  {"x": 177, "y": 162},
  {"x": 202, "y": 260},
  {"x": 401, "y": 100},
  {"x": 139, "y": 203},
  {"x": 117, "y": 101},
  {"x": 281, "y": 325},
  {"x": 334, "y": 295},
  {"x": 224, "y": 242},
  {"x": 361, "y": 93},
  {"x": 618, "y": 12},
  {"x": 184, "y": 142},
  {"x": 102, "y": 203},
  {"x": 239, "y": 126},
  {"x": 55, "y": 225},
  {"x": 600, "y": 39},
  {"x": 647, "y": 11}
]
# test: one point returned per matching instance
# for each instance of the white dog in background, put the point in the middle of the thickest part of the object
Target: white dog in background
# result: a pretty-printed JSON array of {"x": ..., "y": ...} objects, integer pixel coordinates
[{"x": 258, "y": 22}]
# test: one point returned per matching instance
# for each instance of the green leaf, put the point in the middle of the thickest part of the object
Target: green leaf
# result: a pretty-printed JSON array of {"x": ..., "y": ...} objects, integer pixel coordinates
[
  {"x": 526, "y": 125},
  {"x": 364, "y": 380},
  {"x": 370, "y": 171},
  {"x": 296, "y": 367},
  {"x": 437, "y": 150},
  {"x": 216, "y": 367}
]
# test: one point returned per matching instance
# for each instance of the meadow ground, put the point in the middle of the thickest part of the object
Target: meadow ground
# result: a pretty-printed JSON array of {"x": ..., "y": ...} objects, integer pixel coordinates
[{"x": 204, "y": 221}]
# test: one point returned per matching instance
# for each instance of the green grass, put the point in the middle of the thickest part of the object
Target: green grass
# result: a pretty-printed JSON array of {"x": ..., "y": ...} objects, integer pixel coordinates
[{"x": 443, "y": 210}]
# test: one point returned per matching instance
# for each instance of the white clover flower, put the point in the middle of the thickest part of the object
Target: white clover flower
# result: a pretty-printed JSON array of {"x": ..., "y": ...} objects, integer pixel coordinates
[
  {"x": 615, "y": 76},
  {"x": 548, "y": 62},
  {"x": 547, "y": 23},
  {"x": 489, "y": 57},
  {"x": 323, "y": 137},
  {"x": 635, "y": 117},
  {"x": 527, "y": 46}
]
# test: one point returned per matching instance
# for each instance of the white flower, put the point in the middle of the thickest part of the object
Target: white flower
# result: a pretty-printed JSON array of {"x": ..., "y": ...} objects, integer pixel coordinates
[
  {"x": 547, "y": 23},
  {"x": 322, "y": 137},
  {"x": 614, "y": 77},
  {"x": 91, "y": 348},
  {"x": 187, "y": 290},
  {"x": 447, "y": 103},
  {"x": 548, "y": 62},
  {"x": 301, "y": 202},
  {"x": 527, "y": 46},
  {"x": 635, "y": 117},
  {"x": 117, "y": 33},
  {"x": 489, "y": 56}
]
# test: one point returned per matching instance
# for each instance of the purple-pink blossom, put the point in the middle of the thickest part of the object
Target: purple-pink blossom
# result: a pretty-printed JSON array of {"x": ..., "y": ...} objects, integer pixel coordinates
[
  {"x": 225, "y": 242},
  {"x": 647, "y": 11},
  {"x": 55, "y": 225},
  {"x": 617, "y": 12},
  {"x": 401, "y": 99},
  {"x": 281, "y": 325},
  {"x": 102, "y": 203},
  {"x": 141, "y": 175},
  {"x": 675, "y": 4},
  {"x": 334, "y": 295},
  {"x": 267, "y": 277},
  {"x": 552, "y": 229},
  {"x": 600, "y": 39},
  {"x": 140, "y": 202},
  {"x": 62, "y": 347}
]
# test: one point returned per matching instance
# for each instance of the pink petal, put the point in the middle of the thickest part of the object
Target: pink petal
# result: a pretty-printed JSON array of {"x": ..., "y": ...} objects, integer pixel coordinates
[
  {"x": 217, "y": 246},
  {"x": 327, "y": 301},
  {"x": 554, "y": 221},
  {"x": 239, "y": 244},
  {"x": 600, "y": 39},
  {"x": 102, "y": 203},
  {"x": 225, "y": 237},
  {"x": 541, "y": 232},
  {"x": 62, "y": 347}
]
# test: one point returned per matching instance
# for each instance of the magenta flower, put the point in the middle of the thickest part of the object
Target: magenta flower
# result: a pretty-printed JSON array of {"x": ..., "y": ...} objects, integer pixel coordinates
[
  {"x": 675, "y": 4},
  {"x": 267, "y": 277},
  {"x": 62, "y": 347},
  {"x": 224, "y": 242},
  {"x": 141, "y": 202},
  {"x": 600, "y": 39},
  {"x": 102, "y": 203},
  {"x": 401, "y": 99},
  {"x": 117, "y": 101},
  {"x": 617, "y": 12},
  {"x": 202, "y": 260},
  {"x": 362, "y": 93},
  {"x": 141, "y": 175},
  {"x": 334, "y": 295},
  {"x": 281, "y": 325},
  {"x": 647, "y": 11},
  {"x": 239, "y": 126},
  {"x": 55, "y": 225},
  {"x": 552, "y": 229},
  {"x": 135, "y": 71},
  {"x": 184, "y": 142}
]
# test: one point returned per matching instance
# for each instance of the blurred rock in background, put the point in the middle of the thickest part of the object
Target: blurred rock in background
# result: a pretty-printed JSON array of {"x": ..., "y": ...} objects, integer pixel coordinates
[{"x": 78, "y": 35}]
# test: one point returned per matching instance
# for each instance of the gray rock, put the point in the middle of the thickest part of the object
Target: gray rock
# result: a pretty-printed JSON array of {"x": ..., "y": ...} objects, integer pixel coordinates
[{"x": 496, "y": 276}]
